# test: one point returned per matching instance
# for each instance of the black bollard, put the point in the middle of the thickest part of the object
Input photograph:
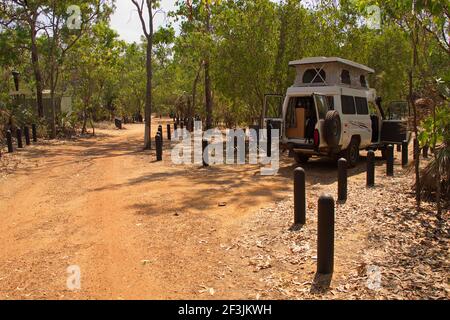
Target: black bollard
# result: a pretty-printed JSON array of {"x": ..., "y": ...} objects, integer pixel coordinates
[
  {"x": 34, "y": 132},
  {"x": 325, "y": 235},
  {"x": 158, "y": 147},
  {"x": 19, "y": 138},
  {"x": 175, "y": 128},
  {"x": 299, "y": 197},
  {"x": 169, "y": 133},
  {"x": 27, "y": 135},
  {"x": 416, "y": 148},
  {"x": 160, "y": 130},
  {"x": 269, "y": 139},
  {"x": 205, "y": 154},
  {"x": 425, "y": 150},
  {"x": 405, "y": 153},
  {"x": 342, "y": 179},
  {"x": 390, "y": 161},
  {"x": 399, "y": 148},
  {"x": 371, "y": 168},
  {"x": 182, "y": 125},
  {"x": 9, "y": 141},
  {"x": 118, "y": 123}
]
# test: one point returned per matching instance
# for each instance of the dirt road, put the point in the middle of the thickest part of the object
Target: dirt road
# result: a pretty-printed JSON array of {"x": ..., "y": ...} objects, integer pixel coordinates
[
  {"x": 135, "y": 228},
  {"x": 141, "y": 229}
]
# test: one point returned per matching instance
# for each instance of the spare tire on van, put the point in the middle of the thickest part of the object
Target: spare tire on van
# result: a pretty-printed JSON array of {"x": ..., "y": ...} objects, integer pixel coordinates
[{"x": 332, "y": 128}]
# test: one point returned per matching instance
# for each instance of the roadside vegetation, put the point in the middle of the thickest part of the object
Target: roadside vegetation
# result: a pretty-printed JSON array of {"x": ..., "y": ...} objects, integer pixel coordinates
[
  {"x": 217, "y": 59},
  {"x": 214, "y": 61}
]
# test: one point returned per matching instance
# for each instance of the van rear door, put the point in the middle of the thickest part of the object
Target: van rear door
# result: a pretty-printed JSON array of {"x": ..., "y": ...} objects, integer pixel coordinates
[
  {"x": 322, "y": 108},
  {"x": 273, "y": 112}
]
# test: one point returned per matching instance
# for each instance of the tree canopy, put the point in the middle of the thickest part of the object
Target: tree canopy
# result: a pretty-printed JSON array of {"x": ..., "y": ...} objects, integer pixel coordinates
[{"x": 236, "y": 49}]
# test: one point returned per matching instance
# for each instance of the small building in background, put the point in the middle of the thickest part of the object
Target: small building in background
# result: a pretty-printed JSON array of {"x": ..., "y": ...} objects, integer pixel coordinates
[{"x": 26, "y": 97}]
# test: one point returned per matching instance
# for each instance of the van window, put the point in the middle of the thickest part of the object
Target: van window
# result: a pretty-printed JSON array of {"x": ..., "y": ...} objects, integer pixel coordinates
[
  {"x": 291, "y": 120},
  {"x": 313, "y": 76},
  {"x": 322, "y": 106},
  {"x": 330, "y": 102},
  {"x": 345, "y": 77},
  {"x": 348, "y": 105},
  {"x": 361, "y": 105},
  {"x": 363, "y": 81}
]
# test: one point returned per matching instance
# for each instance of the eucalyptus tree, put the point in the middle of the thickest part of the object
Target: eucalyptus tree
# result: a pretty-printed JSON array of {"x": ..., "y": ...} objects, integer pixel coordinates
[
  {"x": 25, "y": 15},
  {"x": 132, "y": 90},
  {"x": 420, "y": 20},
  {"x": 93, "y": 67},
  {"x": 60, "y": 24},
  {"x": 147, "y": 9},
  {"x": 245, "y": 54},
  {"x": 197, "y": 17},
  {"x": 62, "y": 35}
]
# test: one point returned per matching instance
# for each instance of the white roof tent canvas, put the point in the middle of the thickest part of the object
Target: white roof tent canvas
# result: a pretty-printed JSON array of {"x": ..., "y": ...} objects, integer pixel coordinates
[{"x": 332, "y": 71}]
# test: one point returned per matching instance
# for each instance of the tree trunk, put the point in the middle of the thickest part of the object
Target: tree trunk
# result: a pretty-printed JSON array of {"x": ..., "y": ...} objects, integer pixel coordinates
[
  {"x": 194, "y": 91},
  {"x": 92, "y": 124},
  {"x": 53, "y": 104},
  {"x": 208, "y": 97},
  {"x": 148, "y": 32},
  {"x": 414, "y": 38},
  {"x": 52, "y": 100},
  {"x": 414, "y": 41},
  {"x": 37, "y": 71},
  {"x": 148, "y": 97},
  {"x": 416, "y": 136},
  {"x": 438, "y": 171},
  {"x": 279, "y": 69},
  {"x": 208, "y": 94},
  {"x": 83, "y": 129}
]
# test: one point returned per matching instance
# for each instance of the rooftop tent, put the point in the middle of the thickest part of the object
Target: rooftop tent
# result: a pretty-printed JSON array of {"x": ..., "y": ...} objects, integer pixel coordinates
[{"x": 323, "y": 71}]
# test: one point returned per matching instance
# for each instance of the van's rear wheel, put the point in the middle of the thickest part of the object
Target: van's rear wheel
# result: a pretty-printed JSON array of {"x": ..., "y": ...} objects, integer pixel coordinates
[
  {"x": 301, "y": 158},
  {"x": 352, "y": 153}
]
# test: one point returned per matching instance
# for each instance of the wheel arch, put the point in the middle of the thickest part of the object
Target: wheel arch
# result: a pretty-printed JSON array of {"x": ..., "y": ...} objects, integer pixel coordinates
[{"x": 356, "y": 137}]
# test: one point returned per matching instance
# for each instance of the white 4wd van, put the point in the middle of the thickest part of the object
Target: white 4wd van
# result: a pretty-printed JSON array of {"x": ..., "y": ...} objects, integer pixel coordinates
[{"x": 331, "y": 111}]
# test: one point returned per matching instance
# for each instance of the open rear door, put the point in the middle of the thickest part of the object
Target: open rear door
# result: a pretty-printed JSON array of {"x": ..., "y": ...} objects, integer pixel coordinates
[
  {"x": 322, "y": 107},
  {"x": 273, "y": 112},
  {"x": 394, "y": 128}
]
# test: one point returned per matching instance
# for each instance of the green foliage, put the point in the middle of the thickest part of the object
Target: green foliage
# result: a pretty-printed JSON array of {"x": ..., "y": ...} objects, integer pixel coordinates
[
  {"x": 436, "y": 132},
  {"x": 249, "y": 45},
  {"x": 441, "y": 126}
]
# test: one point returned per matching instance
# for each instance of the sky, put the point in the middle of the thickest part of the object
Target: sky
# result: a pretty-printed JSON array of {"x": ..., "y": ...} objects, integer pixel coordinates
[{"x": 125, "y": 19}]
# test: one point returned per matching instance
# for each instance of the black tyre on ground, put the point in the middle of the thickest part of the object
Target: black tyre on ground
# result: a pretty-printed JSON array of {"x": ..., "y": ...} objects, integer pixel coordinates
[
  {"x": 301, "y": 158},
  {"x": 352, "y": 153}
]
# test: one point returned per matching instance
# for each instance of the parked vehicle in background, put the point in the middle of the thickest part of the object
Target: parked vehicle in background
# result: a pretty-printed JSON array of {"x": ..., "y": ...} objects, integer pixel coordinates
[{"x": 331, "y": 111}]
